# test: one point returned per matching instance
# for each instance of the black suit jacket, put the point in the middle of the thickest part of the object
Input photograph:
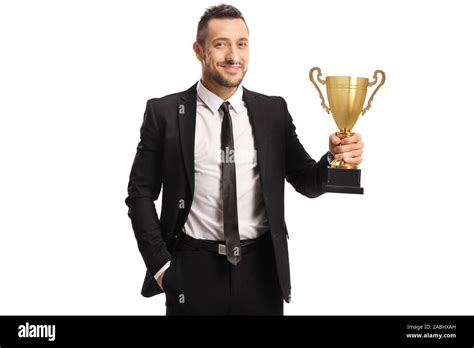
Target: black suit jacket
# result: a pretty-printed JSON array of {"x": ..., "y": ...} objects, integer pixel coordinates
[{"x": 165, "y": 162}]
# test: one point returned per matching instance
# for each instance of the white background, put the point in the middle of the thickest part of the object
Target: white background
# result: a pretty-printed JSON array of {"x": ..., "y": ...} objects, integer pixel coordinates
[{"x": 74, "y": 79}]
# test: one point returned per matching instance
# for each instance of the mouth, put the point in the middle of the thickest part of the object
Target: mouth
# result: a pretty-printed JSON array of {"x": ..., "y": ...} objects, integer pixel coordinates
[{"x": 230, "y": 67}]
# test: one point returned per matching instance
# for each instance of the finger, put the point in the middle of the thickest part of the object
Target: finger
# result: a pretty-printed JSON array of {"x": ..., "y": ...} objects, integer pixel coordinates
[
  {"x": 334, "y": 139},
  {"x": 354, "y": 160},
  {"x": 344, "y": 155},
  {"x": 355, "y": 138},
  {"x": 348, "y": 148}
]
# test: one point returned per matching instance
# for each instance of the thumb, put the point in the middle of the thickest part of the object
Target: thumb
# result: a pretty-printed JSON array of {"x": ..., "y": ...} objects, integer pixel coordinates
[{"x": 334, "y": 139}]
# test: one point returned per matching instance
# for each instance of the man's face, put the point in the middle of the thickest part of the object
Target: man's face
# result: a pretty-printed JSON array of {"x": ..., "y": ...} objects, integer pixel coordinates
[{"x": 225, "y": 54}]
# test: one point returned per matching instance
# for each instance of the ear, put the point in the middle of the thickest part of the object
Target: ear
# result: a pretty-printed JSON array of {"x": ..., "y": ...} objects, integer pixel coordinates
[{"x": 198, "y": 51}]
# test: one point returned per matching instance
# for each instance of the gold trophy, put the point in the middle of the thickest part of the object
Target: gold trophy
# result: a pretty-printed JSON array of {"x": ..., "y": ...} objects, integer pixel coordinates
[{"x": 346, "y": 96}]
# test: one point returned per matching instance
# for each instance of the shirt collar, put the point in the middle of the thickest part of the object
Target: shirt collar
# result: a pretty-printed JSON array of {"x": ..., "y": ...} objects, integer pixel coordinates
[{"x": 214, "y": 102}]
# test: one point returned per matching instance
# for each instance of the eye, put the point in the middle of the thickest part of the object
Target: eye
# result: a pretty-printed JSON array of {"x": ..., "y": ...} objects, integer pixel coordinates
[
  {"x": 242, "y": 44},
  {"x": 219, "y": 45}
]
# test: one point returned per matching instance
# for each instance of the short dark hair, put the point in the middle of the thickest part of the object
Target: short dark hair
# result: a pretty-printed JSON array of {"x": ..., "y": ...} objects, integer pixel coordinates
[{"x": 219, "y": 11}]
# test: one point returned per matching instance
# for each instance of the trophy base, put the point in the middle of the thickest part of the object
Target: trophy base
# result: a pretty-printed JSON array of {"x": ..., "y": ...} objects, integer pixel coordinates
[{"x": 343, "y": 181}]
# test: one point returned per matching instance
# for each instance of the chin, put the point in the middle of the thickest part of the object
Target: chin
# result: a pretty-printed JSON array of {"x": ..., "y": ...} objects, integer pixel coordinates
[
  {"x": 234, "y": 78},
  {"x": 235, "y": 83}
]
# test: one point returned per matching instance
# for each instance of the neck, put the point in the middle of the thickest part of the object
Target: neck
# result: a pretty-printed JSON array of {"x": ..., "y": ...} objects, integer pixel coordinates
[{"x": 221, "y": 91}]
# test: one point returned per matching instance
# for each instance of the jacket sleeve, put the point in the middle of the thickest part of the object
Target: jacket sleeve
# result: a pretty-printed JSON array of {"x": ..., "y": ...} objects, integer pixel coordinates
[
  {"x": 302, "y": 172},
  {"x": 144, "y": 187}
]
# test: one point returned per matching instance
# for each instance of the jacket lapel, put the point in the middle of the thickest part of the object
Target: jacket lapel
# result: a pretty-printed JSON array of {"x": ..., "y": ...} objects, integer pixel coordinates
[
  {"x": 187, "y": 128},
  {"x": 259, "y": 128}
]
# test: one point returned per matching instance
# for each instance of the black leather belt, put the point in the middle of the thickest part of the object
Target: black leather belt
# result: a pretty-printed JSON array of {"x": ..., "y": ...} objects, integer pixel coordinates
[{"x": 246, "y": 245}]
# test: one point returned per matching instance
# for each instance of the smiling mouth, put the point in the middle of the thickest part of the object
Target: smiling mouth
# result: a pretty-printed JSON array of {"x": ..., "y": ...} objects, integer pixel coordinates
[{"x": 230, "y": 67}]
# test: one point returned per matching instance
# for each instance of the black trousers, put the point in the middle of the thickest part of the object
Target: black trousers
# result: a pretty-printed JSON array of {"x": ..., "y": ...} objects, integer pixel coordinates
[{"x": 203, "y": 282}]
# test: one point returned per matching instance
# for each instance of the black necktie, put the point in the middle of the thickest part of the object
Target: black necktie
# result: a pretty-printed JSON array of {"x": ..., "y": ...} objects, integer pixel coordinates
[{"x": 229, "y": 189}]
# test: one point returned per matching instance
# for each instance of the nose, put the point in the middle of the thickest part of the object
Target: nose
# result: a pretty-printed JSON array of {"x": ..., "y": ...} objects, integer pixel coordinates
[{"x": 231, "y": 53}]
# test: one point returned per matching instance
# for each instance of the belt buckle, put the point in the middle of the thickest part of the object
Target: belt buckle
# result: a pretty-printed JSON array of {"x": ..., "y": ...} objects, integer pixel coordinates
[{"x": 222, "y": 249}]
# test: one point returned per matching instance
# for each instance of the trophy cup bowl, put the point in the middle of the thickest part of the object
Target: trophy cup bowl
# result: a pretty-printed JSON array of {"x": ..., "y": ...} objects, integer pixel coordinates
[{"x": 346, "y": 97}]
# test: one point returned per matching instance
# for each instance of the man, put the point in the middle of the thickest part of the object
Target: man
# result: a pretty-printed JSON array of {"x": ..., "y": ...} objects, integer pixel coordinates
[{"x": 221, "y": 154}]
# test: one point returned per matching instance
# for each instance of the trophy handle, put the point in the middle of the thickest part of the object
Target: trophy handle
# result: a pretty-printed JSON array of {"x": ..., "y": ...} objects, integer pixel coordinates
[
  {"x": 382, "y": 81},
  {"x": 323, "y": 82}
]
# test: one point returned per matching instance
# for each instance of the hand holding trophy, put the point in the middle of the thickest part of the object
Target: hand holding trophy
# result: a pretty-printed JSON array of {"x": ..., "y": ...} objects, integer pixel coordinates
[{"x": 346, "y": 96}]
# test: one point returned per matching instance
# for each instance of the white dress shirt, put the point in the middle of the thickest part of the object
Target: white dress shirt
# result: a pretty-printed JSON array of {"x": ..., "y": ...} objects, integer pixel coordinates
[{"x": 205, "y": 219}]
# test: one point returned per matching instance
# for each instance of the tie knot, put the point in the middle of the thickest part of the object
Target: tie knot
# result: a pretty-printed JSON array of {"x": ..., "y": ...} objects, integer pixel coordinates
[{"x": 225, "y": 107}]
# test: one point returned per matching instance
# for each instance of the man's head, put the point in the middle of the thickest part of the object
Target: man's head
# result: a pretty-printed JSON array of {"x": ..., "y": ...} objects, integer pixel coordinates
[{"x": 222, "y": 46}]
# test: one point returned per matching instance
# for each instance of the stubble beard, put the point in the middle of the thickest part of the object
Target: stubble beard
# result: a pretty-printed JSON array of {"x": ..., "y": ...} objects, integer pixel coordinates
[{"x": 221, "y": 80}]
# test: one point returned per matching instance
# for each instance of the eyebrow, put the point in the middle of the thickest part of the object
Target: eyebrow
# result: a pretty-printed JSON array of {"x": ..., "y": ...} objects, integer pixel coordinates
[{"x": 227, "y": 39}]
